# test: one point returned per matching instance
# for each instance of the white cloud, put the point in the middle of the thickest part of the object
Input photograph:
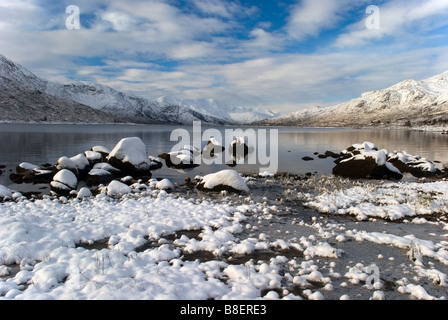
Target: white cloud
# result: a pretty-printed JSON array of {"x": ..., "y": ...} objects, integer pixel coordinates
[
  {"x": 224, "y": 9},
  {"x": 154, "y": 48},
  {"x": 399, "y": 19},
  {"x": 309, "y": 17},
  {"x": 119, "y": 21}
]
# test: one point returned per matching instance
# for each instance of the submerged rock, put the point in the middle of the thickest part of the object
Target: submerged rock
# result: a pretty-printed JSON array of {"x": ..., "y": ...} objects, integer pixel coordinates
[{"x": 306, "y": 158}]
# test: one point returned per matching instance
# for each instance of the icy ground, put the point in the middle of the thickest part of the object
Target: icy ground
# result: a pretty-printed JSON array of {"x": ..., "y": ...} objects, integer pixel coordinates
[{"x": 290, "y": 237}]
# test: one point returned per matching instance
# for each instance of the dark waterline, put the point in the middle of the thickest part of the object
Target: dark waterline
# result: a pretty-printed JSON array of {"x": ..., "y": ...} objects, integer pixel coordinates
[{"x": 45, "y": 143}]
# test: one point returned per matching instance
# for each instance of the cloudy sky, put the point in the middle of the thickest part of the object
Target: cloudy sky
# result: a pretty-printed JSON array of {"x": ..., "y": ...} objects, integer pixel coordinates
[{"x": 279, "y": 55}]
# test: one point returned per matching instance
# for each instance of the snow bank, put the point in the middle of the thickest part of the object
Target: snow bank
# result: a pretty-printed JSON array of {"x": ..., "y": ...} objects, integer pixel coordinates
[
  {"x": 390, "y": 201},
  {"x": 42, "y": 236}
]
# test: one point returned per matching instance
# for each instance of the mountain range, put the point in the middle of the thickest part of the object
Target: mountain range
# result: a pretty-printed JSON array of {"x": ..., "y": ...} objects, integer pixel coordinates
[
  {"x": 26, "y": 97},
  {"x": 408, "y": 103}
]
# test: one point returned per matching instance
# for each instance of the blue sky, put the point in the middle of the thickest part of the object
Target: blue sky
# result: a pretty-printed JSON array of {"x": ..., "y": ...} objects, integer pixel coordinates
[{"x": 279, "y": 55}]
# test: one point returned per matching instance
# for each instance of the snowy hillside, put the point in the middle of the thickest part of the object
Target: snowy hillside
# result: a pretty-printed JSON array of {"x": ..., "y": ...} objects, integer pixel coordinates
[
  {"x": 214, "y": 108},
  {"x": 406, "y": 103},
  {"x": 122, "y": 106},
  {"x": 23, "y": 99}
]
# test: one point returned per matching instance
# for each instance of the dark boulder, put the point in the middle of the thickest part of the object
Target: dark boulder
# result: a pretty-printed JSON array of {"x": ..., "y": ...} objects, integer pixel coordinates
[
  {"x": 355, "y": 168},
  {"x": 95, "y": 177}
]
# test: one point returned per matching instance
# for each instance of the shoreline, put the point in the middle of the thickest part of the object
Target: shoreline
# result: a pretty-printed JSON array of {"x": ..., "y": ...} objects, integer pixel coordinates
[{"x": 267, "y": 244}]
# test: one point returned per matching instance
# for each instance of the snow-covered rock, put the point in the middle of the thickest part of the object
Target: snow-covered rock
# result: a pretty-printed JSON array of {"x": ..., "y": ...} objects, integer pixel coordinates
[
  {"x": 117, "y": 188},
  {"x": 130, "y": 156},
  {"x": 64, "y": 181},
  {"x": 26, "y": 166},
  {"x": 213, "y": 146},
  {"x": 238, "y": 147},
  {"x": 84, "y": 193},
  {"x": 182, "y": 159},
  {"x": 364, "y": 160},
  {"x": 81, "y": 163},
  {"x": 164, "y": 184},
  {"x": 5, "y": 192},
  {"x": 93, "y": 157},
  {"x": 106, "y": 166},
  {"x": 223, "y": 180}
]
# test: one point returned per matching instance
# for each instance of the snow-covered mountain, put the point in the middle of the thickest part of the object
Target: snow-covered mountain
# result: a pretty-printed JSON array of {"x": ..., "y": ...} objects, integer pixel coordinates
[
  {"x": 119, "y": 106},
  {"x": 407, "y": 103},
  {"x": 23, "y": 98},
  {"x": 125, "y": 105},
  {"x": 214, "y": 108}
]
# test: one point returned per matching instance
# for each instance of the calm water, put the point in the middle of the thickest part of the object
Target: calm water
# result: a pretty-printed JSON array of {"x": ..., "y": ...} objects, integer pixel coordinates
[{"x": 38, "y": 144}]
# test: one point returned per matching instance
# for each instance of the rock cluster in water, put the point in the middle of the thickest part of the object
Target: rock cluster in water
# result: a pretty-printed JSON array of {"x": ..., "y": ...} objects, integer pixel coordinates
[
  {"x": 365, "y": 160},
  {"x": 118, "y": 168},
  {"x": 94, "y": 167}
]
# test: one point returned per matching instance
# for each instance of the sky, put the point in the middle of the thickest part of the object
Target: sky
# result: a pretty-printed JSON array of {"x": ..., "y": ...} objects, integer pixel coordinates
[{"x": 276, "y": 55}]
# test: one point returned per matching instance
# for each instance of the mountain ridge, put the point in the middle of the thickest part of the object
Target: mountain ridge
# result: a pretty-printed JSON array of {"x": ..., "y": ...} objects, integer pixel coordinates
[
  {"x": 406, "y": 103},
  {"x": 116, "y": 106}
]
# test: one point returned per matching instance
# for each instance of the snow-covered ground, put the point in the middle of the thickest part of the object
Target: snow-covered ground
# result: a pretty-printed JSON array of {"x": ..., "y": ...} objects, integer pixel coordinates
[{"x": 287, "y": 238}]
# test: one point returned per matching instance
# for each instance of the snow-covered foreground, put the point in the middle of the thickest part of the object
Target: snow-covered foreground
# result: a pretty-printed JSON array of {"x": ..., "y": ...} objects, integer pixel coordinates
[{"x": 150, "y": 244}]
